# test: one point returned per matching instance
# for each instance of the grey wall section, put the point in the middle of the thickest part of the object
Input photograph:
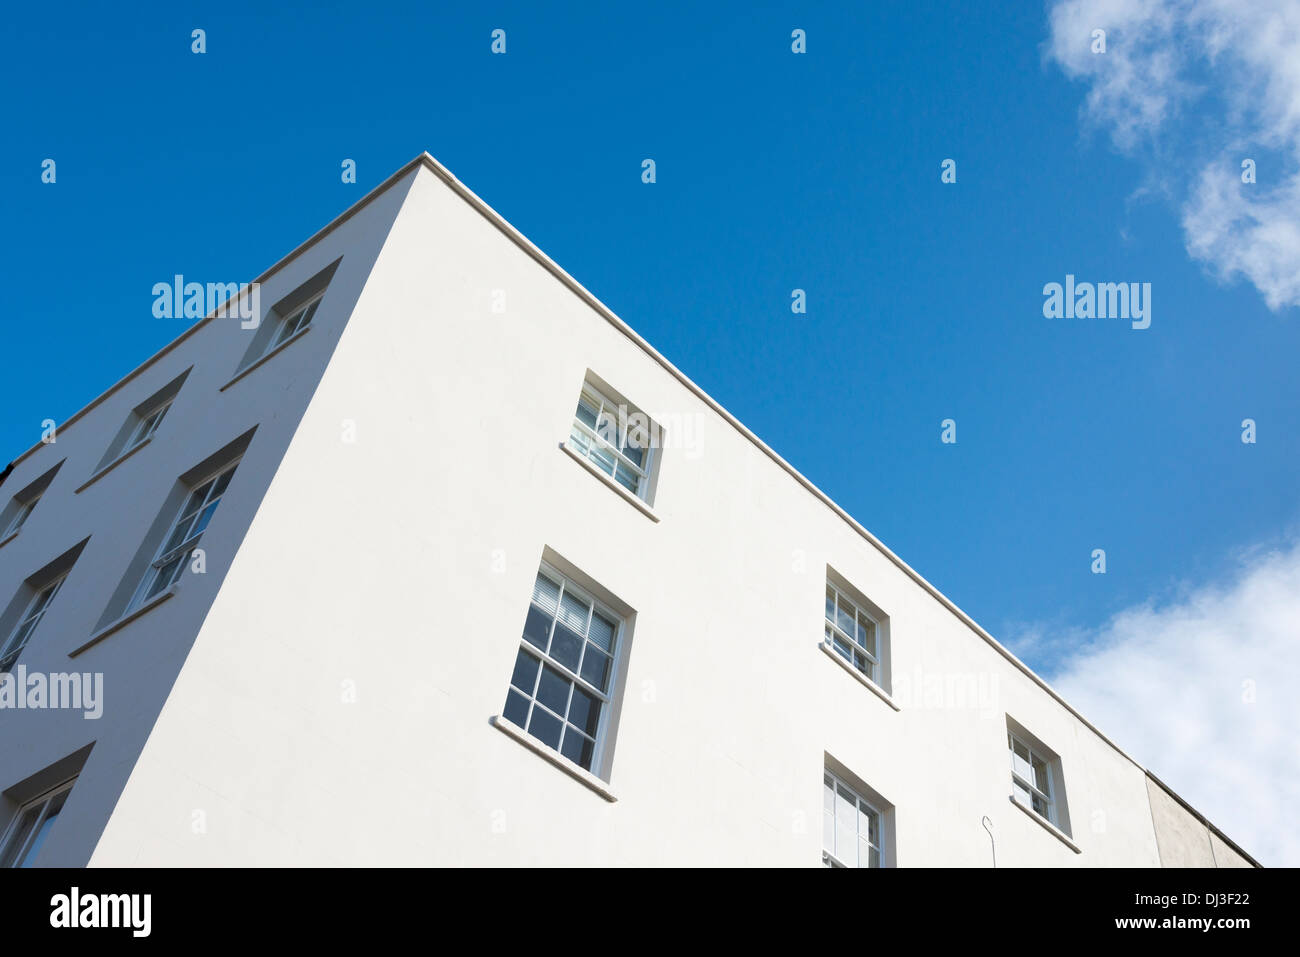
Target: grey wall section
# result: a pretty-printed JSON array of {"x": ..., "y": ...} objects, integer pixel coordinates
[
  {"x": 140, "y": 662},
  {"x": 1184, "y": 839}
]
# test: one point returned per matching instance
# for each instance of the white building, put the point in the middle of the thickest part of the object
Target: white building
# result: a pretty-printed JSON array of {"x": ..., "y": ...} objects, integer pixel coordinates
[{"x": 435, "y": 618}]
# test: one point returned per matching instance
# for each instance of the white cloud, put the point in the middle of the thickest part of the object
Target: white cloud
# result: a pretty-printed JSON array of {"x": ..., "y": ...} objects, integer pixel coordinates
[
  {"x": 1205, "y": 692},
  {"x": 1193, "y": 87}
]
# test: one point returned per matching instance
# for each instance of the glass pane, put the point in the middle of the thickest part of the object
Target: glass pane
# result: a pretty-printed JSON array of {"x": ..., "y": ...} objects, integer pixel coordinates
[
  {"x": 595, "y": 668},
  {"x": 841, "y": 646},
  {"x": 51, "y": 815},
  {"x": 1040, "y": 776},
  {"x": 828, "y": 829},
  {"x": 308, "y": 314},
  {"x": 861, "y": 662},
  {"x": 873, "y": 858},
  {"x": 867, "y": 634},
  {"x": 205, "y": 516},
  {"x": 626, "y": 477},
  {"x": 223, "y": 481},
  {"x": 867, "y": 825},
  {"x": 1022, "y": 793},
  {"x": 19, "y": 837},
  {"x": 178, "y": 536},
  {"x": 586, "y": 413},
  {"x": 194, "y": 502},
  {"x": 525, "y": 675},
  {"x": 830, "y": 603},
  {"x": 165, "y": 576},
  {"x": 553, "y": 690},
  {"x": 577, "y": 748},
  {"x": 633, "y": 449},
  {"x": 1020, "y": 750},
  {"x": 846, "y": 826},
  {"x": 516, "y": 709},
  {"x": 574, "y": 613},
  {"x": 566, "y": 647},
  {"x": 546, "y": 593},
  {"x": 537, "y": 627},
  {"x": 545, "y": 728},
  {"x": 1021, "y": 767},
  {"x": 584, "y": 712},
  {"x": 1040, "y": 806},
  {"x": 604, "y": 459},
  {"x": 602, "y": 632},
  {"x": 607, "y": 428},
  {"x": 579, "y": 440},
  {"x": 844, "y": 618}
]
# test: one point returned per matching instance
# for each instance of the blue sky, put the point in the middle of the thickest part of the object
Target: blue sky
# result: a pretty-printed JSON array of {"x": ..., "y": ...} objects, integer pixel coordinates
[{"x": 775, "y": 171}]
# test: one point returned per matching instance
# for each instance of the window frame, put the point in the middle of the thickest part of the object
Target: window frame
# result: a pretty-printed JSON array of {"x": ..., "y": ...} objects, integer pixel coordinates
[
  {"x": 600, "y": 741},
  {"x": 32, "y": 615},
  {"x": 24, "y": 512},
  {"x": 146, "y": 426},
  {"x": 1048, "y": 797},
  {"x": 279, "y": 337},
  {"x": 829, "y": 859},
  {"x": 832, "y": 626},
  {"x": 21, "y": 853},
  {"x": 164, "y": 555},
  {"x": 593, "y": 439}
]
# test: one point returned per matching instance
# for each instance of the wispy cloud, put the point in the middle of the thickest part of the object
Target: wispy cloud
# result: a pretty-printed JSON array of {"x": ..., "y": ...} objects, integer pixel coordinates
[
  {"x": 1205, "y": 691},
  {"x": 1193, "y": 87}
]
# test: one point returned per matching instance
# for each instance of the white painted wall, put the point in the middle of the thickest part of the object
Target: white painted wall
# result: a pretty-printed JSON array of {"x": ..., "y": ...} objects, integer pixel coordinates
[
  {"x": 371, "y": 563},
  {"x": 141, "y": 661}
]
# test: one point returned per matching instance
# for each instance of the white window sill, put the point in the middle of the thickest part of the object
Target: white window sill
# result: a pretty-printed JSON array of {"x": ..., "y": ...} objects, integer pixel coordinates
[
  {"x": 581, "y": 459},
  {"x": 1047, "y": 825},
  {"x": 10, "y": 537},
  {"x": 112, "y": 465},
  {"x": 874, "y": 688},
  {"x": 579, "y": 774},
  {"x": 126, "y": 619},
  {"x": 267, "y": 356}
]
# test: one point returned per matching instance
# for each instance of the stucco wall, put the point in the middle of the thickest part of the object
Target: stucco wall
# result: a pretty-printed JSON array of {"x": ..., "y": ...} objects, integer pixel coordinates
[{"x": 140, "y": 662}]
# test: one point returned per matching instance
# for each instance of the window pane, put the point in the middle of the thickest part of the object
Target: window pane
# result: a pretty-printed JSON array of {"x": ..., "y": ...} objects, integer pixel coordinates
[
  {"x": 602, "y": 632},
  {"x": 586, "y": 413},
  {"x": 867, "y": 634},
  {"x": 1020, "y": 750},
  {"x": 830, "y": 603},
  {"x": 595, "y": 668},
  {"x": 20, "y": 835},
  {"x": 1022, "y": 793},
  {"x": 1040, "y": 806},
  {"x": 844, "y": 618},
  {"x": 626, "y": 477},
  {"x": 633, "y": 450},
  {"x": 1040, "y": 776},
  {"x": 516, "y": 709},
  {"x": 223, "y": 481},
  {"x": 546, "y": 593},
  {"x": 51, "y": 815},
  {"x": 205, "y": 516},
  {"x": 604, "y": 459},
  {"x": 545, "y": 728},
  {"x": 566, "y": 647},
  {"x": 584, "y": 712},
  {"x": 574, "y": 613},
  {"x": 577, "y": 749},
  {"x": 537, "y": 627},
  {"x": 525, "y": 676},
  {"x": 553, "y": 690}
]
